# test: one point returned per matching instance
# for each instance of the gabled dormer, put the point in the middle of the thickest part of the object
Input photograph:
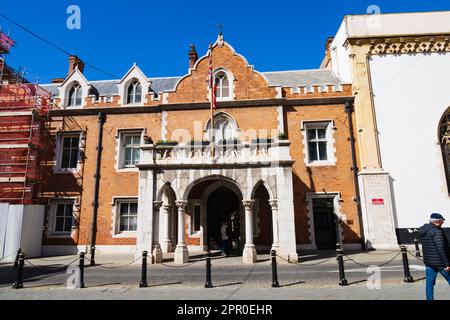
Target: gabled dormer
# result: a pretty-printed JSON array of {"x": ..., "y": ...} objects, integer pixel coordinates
[
  {"x": 74, "y": 90},
  {"x": 133, "y": 88}
]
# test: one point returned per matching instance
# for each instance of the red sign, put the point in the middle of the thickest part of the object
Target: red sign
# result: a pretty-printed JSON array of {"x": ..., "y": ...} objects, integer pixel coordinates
[{"x": 378, "y": 202}]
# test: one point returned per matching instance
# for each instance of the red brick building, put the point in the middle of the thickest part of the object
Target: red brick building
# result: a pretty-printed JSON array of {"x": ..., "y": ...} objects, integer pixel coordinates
[{"x": 281, "y": 172}]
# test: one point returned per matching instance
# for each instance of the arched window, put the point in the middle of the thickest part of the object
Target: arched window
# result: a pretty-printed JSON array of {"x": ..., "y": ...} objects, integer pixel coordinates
[
  {"x": 75, "y": 96},
  {"x": 444, "y": 131},
  {"x": 224, "y": 128},
  {"x": 134, "y": 92},
  {"x": 222, "y": 84}
]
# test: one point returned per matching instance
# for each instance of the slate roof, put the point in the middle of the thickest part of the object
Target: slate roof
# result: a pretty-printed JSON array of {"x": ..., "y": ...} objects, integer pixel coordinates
[{"x": 298, "y": 78}]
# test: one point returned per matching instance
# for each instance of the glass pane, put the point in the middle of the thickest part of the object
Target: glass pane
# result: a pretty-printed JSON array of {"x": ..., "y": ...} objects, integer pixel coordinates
[
  {"x": 136, "y": 155},
  {"x": 67, "y": 142},
  {"x": 68, "y": 224},
  {"x": 79, "y": 96},
  {"x": 59, "y": 224},
  {"x": 73, "y": 158},
  {"x": 322, "y": 133},
  {"x": 312, "y": 148},
  {"x": 218, "y": 92},
  {"x": 136, "y": 140},
  {"x": 128, "y": 156},
  {"x": 132, "y": 224},
  {"x": 128, "y": 140},
  {"x": 311, "y": 134},
  {"x": 123, "y": 208},
  {"x": 323, "y": 151},
  {"x": 75, "y": 142},
  {"x": 60, "y": 209},
  {"x": 123, "y": 224},
  {"x": 225, "y": 92},
  {"x": 65, "y": 161},
  {"x": 69, "y": 210},
  {"x": 225, "y": 82},
  {"x": 133, "y": 208}
]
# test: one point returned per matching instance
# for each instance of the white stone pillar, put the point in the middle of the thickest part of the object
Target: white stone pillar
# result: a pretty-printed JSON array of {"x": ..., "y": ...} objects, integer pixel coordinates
[
  {"x": 157, "y": 252},
  {"x": 276, "y": 238},
  {"x": 144, "y": 239},
  {"x": 166, "y": 245},
  {"x": 249, "y": 254},
  {"x": 181, "y": 251}
]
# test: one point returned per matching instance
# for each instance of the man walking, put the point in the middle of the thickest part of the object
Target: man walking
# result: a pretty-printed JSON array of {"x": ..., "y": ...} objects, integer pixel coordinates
[{"x": 436, "y": 252}]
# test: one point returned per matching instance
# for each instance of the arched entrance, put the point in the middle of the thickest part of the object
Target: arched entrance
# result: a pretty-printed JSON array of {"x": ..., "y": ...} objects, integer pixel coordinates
[{"x": 223, "y": 205}]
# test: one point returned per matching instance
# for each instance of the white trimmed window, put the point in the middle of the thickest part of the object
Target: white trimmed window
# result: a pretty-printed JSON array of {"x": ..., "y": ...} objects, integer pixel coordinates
[
  {"x": 134, "y": 92},
  {"x": 75, "y": 96},
  {"x": 130, "y": 148},
  {"x": 68, "y": 148},
  {"x": 225, "y": 128},
  {"x": 126, "y": 220},
  {"x": 222, "y": 84},
  {"x": 319, "y": 143},
  {"x": 61, "y": 218},
  {"x": 444, "y": 139}
]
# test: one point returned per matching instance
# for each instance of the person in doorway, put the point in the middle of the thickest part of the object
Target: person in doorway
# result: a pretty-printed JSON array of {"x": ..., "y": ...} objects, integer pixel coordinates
[
  {"x": 224, "y": 248},
  {"x": 436, "y": 252}
]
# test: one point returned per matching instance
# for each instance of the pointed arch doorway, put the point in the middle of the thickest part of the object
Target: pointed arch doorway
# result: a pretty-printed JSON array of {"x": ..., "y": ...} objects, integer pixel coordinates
[{"x": 223, "y": 205}]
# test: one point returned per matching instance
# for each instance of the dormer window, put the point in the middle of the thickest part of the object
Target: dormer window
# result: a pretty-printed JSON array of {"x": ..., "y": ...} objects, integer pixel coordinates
[
  {"x": 134, "y": 92},
  {"x": 222, "y": 84},
  {"x": 75, "y": 96}
]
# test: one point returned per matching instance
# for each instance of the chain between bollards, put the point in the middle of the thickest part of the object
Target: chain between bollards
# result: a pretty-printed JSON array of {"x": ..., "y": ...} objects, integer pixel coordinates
[
  {"x": 275, "y": 283},
  {"x": 208, "y": 283},
  {"x": 18, "y": 284},
  {"x": 143, "y": 283},
  {"x": 81, "y": 265},
  {"x": 416, "y": 244},
  {"x": 340, "y": 259},
  {"x": 408, "y": 277}
]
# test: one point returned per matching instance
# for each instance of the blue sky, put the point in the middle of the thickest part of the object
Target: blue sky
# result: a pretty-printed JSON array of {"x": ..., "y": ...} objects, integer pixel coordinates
[{"x": 272, "y": 35}]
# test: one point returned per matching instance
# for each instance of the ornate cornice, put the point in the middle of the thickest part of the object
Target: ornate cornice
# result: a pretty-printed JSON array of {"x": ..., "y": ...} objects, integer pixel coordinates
[{"x": 404, "y": 45}]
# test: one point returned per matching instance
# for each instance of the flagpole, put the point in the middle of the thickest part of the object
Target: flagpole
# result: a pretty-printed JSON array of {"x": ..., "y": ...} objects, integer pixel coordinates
[{"x": 211, "y": 85}]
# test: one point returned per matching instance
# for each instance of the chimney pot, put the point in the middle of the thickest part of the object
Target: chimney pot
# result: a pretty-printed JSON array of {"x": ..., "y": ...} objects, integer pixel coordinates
[{"x": 75, "y": 62}]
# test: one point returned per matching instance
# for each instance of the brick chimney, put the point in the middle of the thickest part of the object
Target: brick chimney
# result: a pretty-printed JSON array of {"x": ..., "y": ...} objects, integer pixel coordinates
[
  {"x": 74, "y": 62},
  {"x": 193, "y": 57}
]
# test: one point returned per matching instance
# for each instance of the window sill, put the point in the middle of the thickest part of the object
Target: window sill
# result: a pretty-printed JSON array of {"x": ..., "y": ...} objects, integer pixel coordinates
[
  {"x": 128, "y": 169},
  {"x": 123, "y": 235},
  {"x": 64, "y": 171},
  {"x": 59, "y": 235},
  {"x": 321, "y": 164}
]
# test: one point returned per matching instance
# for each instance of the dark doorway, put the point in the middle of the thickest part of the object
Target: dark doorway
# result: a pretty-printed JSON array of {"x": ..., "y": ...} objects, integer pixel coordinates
[
  {"x": 223, "y": 205},
  {"x": 324, "y": 223}
]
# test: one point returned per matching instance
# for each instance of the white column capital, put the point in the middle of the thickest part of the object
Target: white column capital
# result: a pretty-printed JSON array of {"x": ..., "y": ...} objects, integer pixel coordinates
[
  {"x": 157, "y": 204},
  {"x": 248, "y": 204},
  {"x": 273, "y": 204},
  {"x": 181, "y": 204}
]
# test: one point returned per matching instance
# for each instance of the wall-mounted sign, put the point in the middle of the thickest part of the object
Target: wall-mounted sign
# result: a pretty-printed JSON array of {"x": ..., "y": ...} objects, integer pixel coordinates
[{"x": 378, "y": 202}]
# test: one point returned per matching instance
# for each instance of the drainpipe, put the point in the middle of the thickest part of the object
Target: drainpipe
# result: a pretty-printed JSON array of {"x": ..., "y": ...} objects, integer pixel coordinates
[
  {"x": 101, "y": 122},
  {"x": 349, "y": 111}
]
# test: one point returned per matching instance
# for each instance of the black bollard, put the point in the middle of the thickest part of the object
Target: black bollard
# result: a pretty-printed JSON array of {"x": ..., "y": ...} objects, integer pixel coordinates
[
  {"x": 143, "y": 283},
  {"x": 416, "y": 243},
  {"x": 408, "y": 277},
  {"x": 18, "y": 284},
  {"x": 92, "y": 256},
  {"x": 81, "y": 265},
  {"x": 16, "y": 261},
  {"x": 275, "y": 283},
  {"x": 340, "y": 259},
  {"x": 208, "y": 283}
]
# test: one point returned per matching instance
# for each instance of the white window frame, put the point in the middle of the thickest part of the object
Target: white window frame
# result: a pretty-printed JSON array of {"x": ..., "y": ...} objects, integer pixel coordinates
[
  {"x": 59, "y": 152},
  {"x": 230, "y": 77},
  {"x": 134, "y": 83},
  {"x": 117, "y": 202},
  {"x": 51, "y": 225},
  {"x": 328, "y": 125},
  {"x": 121, "y": 138},
  {"x": 78, "y": 89},
  {"x": 219, "y": 120}
]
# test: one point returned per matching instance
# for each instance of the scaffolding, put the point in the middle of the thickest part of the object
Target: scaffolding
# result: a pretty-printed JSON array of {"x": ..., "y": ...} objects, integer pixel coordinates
[{"x": 24, "y": 111}]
